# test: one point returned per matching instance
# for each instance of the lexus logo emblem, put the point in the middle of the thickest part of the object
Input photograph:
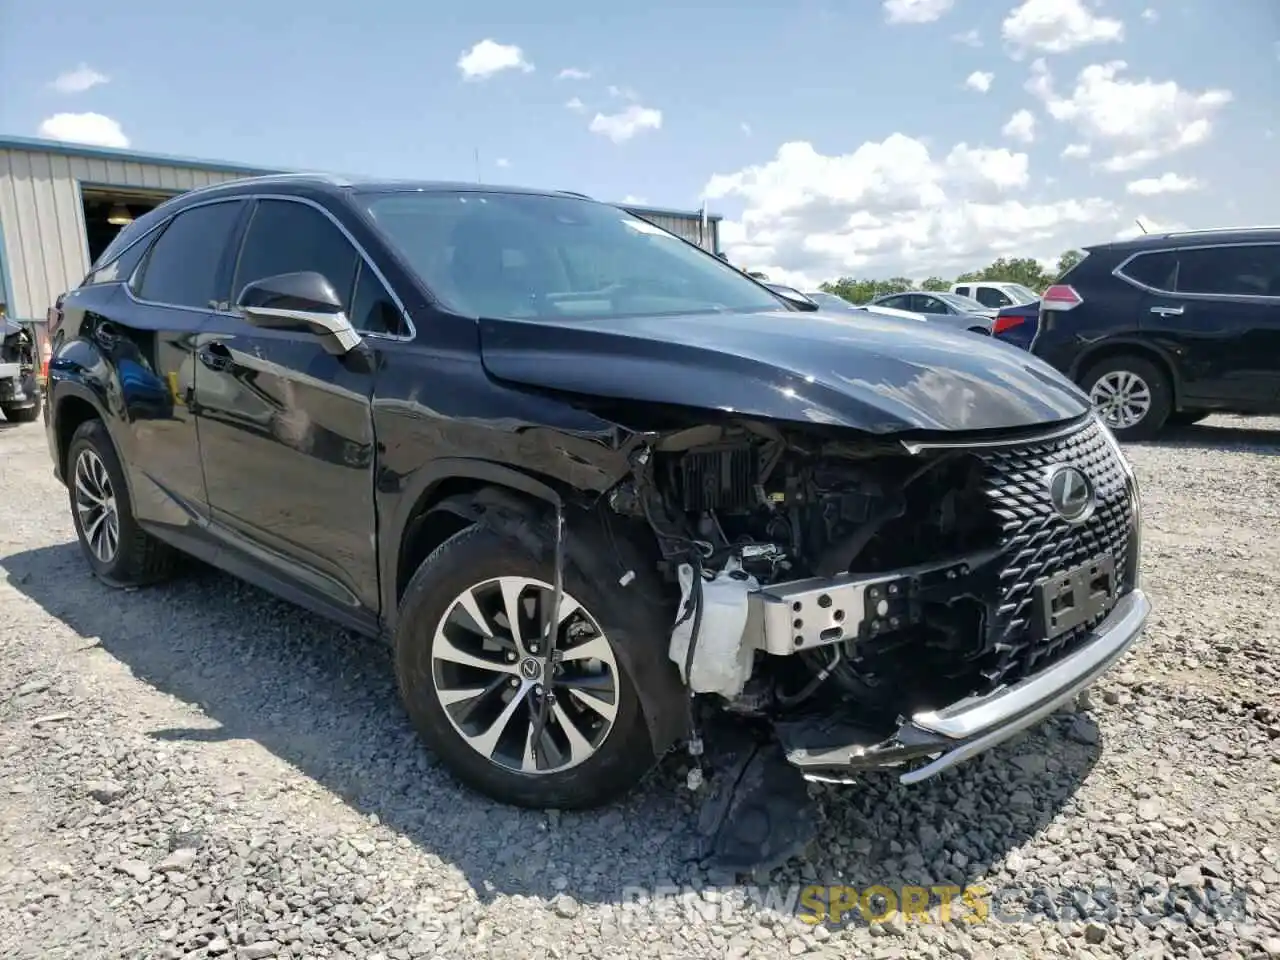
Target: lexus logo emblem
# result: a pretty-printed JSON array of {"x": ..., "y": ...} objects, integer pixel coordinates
[
  {"x": 530, "y": 668},
  {"x": 1071, "y": 493}
]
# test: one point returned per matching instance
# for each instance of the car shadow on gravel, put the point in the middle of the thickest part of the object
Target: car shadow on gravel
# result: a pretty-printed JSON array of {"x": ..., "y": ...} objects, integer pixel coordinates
[
  {"x": 324, "y": 701},
  {"x": 1215, "y": 436}
]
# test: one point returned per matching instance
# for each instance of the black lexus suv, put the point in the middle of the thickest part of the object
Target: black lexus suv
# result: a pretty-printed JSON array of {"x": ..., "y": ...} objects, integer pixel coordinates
[
  {"x": 595, "y": 485},
  {"x": 1168, "y": 329}
]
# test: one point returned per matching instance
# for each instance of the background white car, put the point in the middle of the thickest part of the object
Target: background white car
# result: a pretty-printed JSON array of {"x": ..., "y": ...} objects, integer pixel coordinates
[{"x": 996, "y": 294}]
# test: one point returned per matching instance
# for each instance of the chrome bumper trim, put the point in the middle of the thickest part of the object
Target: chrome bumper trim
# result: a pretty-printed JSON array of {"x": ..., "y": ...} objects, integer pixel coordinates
[{"x": 976, "y": 724}]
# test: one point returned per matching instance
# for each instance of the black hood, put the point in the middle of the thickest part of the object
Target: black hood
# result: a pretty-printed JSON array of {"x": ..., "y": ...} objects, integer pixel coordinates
[{"x": 868, "y": 372}]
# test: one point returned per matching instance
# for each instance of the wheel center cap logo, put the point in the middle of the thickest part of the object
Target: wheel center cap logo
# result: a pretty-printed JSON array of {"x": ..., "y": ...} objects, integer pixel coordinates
[
  {"x": 1071, "y": 493},
  {"x": 530, "y": 668}
]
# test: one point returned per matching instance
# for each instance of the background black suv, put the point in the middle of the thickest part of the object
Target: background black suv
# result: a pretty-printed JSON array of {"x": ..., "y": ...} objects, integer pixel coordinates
[{"x": 1167, "y": 329}]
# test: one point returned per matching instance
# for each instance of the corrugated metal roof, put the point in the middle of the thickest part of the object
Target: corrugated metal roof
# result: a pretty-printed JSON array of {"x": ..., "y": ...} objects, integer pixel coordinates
[{"x": 64, "y": 148}]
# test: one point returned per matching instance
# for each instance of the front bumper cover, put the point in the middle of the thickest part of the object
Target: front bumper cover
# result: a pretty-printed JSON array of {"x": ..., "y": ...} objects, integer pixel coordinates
[{"x": 973, "y": 725}]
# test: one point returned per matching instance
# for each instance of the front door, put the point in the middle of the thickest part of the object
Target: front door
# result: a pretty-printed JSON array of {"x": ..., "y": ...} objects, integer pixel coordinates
[{"x": 286, "y": 428}]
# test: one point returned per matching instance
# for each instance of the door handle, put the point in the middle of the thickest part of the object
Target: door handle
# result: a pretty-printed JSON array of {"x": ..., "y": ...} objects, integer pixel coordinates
[
  {"x": 215, "y": 356},
  {"x": 1169, "y": 311}
]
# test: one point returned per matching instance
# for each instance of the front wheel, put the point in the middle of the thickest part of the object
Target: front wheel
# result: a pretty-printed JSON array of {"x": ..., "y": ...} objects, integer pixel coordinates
[
  {"x": 1131, "y": 394},
  {"x": 474, "y": 680}
]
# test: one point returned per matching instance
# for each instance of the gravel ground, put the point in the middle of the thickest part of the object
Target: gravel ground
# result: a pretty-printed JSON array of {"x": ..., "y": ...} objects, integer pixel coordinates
[{"x": 200, "y": 770}]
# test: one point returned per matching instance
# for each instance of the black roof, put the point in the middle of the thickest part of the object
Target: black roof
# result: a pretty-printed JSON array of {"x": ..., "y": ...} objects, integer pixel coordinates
[{"x": 1192, "y": 238}]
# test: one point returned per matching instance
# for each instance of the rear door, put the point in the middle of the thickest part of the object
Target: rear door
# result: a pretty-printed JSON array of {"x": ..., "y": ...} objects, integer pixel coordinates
[
  {"x": 286, "y": 427},
  {"x": 147, "y": 329},
  {"x": 1221, "y": 315}
]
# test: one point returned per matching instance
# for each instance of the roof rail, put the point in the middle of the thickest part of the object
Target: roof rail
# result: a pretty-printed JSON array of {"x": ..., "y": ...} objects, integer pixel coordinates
[{"x": 1192, "y": 233}]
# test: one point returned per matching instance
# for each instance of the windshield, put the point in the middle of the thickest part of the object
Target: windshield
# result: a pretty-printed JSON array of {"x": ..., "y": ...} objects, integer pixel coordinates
[
  {"x": 831, "y": 300},
  {"x": 961, "y": 303},
  {"x": 512, "y": 255}
]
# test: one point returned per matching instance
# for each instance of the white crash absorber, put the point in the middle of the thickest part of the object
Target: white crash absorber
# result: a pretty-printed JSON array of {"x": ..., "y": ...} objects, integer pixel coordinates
[{"x": 721, "y": 659}]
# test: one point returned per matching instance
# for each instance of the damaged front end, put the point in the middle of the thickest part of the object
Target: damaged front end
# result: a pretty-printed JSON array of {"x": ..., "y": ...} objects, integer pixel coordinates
[{"x": 892, "y": 603}]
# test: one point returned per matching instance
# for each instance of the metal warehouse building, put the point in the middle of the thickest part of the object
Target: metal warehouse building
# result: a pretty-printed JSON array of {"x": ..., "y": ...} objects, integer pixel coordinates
[{"x": 61, "y": 204}]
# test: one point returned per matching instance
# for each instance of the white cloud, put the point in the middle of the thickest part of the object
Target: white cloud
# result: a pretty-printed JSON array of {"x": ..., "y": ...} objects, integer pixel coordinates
[
  {"x": 620, "y": 127},
  {"x": 1138, "y": 121},
  {"x": 82, "y": 78},
  {"x": 1021, "y": 126},
  {"x": 745, "y": 127},
  {"x": 502, "y": 162},
  {"x": 488, "y": 57},
  {"x": 1056, "y": 26},
  {"x": 1150, "y": 15},
  {"x": 890, "y": 207},
  {"x": 970, "y": 38},
  {"x": 1165, "y": 183},
  {"x": 915, "y": 11},
  {"x": 573, "y": 73},
  {"x": 575, "y": 104},
  {"x": 623, "y": 93},
  {"x": 979, "y": 80},
  {"x": 1077, "y": 151},
  {"x": 84, "y": 128}
]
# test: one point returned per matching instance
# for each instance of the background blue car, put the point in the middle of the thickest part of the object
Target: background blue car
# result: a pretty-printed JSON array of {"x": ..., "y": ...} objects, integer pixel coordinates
[{"x": 1017, "y": 324}]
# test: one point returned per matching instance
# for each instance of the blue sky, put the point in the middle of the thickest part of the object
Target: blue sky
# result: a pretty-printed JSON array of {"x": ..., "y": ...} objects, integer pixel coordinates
[{"x": 837, "y": 136}]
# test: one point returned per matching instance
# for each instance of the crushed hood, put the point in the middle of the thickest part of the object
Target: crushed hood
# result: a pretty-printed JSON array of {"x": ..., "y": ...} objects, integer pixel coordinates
[{"x": 867, "y": 372}]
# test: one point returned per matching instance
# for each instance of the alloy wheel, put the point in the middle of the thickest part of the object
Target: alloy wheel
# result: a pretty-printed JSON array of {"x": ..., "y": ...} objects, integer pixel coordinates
[
  {"x": 96, "y": 506},
  {"x": 490, "y": 675},
  {"x": 1122, "y": 398}
]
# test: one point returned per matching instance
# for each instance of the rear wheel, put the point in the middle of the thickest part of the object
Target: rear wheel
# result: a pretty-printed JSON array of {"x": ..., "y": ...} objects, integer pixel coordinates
[
  {"x": 119, "y": 552},
  {"x": 1131, "y": 394},
  {"x": 473, "y": 678}
]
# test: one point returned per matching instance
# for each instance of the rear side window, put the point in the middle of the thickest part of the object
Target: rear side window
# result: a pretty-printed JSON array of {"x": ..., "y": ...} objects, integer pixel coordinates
[
  {"x": 183, "y": 266},
  {"x": 1251, "y": 271},
  {"x": 288, "y": 237},
  {"x": 1158, "y": 270},
  {"x": 991, "y": 297},
  {"x": 961, "y": 291}
]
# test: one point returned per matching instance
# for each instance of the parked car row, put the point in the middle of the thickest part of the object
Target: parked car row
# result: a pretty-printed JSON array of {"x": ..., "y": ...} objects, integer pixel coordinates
[{"x": 1158, "y": 330}]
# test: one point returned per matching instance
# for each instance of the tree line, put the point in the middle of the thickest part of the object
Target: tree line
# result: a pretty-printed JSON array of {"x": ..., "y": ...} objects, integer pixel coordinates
[{"x": 1024, "y": 270}]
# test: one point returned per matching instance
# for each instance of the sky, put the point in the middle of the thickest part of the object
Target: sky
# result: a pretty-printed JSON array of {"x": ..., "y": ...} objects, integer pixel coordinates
[{"x": 867, "y": 138}]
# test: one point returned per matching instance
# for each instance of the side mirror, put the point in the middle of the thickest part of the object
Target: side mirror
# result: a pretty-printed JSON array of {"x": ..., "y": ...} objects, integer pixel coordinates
[{"x": 305, "y": 302}]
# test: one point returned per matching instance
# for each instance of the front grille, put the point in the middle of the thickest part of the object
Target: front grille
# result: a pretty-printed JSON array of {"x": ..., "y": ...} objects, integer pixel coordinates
[{"x": 1038, "y": 542}]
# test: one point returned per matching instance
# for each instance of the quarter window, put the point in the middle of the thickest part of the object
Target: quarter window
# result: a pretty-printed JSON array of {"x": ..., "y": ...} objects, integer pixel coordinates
[
  {"x": 1251, "y": 271},
  {"x": 121, "y": 267},
  {"x": 289, "y": 237},
  {"x": 184, "y": 264},
  {"x": 372, "y": 309}
]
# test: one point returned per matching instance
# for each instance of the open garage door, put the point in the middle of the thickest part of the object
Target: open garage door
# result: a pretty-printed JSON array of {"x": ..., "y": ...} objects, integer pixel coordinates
[{"x": 108, "y": 209}]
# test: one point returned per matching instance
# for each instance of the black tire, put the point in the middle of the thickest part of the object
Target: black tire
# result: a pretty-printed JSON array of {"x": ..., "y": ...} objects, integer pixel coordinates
[
  {"x": 471, "y": 557},
  {"x": 1185, "y": 418},
  {"x": 22, "y": 414},
  {"x": 139, "y": 558},
  {"x": 1158, "y": 387}
]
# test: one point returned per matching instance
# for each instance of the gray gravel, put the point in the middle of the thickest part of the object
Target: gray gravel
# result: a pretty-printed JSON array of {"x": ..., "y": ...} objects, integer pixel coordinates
[{"x": 199, "y": 770}]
